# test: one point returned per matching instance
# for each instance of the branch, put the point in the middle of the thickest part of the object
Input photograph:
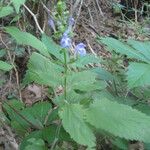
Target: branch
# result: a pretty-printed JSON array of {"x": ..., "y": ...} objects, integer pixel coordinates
[{"x": 34, "y": 17}]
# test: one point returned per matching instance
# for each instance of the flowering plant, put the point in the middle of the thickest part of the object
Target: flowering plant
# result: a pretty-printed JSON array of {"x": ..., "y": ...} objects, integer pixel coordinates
[
  {"x": 66, "y": 41},
  {"x": 59, "y": 20},
  {"x": 80, "y": 100}
]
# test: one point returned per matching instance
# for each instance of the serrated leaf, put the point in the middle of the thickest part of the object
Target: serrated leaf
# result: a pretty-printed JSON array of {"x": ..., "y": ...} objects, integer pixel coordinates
[
  {"x": 121, "y": 144},
  {"x": 48, "y": 134},
  {"x": 72, "y": 97},
  {"x": 72, "y": 116},
  {"x": 40, "y": 110},
  {"x": 53, "y": 48},
  {"x": 5, "y": 66},
  {"x": 143, "y": 47},
  {"x": 37, "y": 113},
  {"x": 19, "y": 129},
  {"x": 25, "y": 38},
  {"x": 146, "y": 146},
  {"x": 138, "y": 75},
  {"x": 123, "y": 48},
  {"x": 18, "y": 105},
  {"x": 43, "y": 71},
  {"x": 17, "y": 4},
  {"x": 106, "y": 94},
  {"x": 26, "y": 113},
  {"x": 118, "y": 119},
  {"x": 14, "y": 106},
  {"x": 36, "y": 144},
  {"x": 81, "y": 80},
  {"x": 145, "y": 108},
  {"x": 98, "y": 85},
  {"x": 103, "y": 74},
  {"x": 35, "y": 134},
  {"x": 85, "y": 60},
  {"x": 5, "y": 11}
]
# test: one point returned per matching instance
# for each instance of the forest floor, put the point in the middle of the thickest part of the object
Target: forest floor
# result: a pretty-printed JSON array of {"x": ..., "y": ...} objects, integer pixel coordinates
[{"x": 93, "y": 18}]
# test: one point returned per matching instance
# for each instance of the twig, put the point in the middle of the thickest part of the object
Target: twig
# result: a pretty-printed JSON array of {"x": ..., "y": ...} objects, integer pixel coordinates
[
  {"x": 78, "y": 14},
  {"x": 90, "y": 15},
  {"x": 75, "y": 6},
  {"x": 47, "y": 10},
  {"x": 99, "y": 8},
  {"x": 34, "y": 17},
  {"x": 90, "y": 47}
]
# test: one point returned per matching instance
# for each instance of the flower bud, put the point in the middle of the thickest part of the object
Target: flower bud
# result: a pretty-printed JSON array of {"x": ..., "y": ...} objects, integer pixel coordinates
[{"x": 51, "y": 24}]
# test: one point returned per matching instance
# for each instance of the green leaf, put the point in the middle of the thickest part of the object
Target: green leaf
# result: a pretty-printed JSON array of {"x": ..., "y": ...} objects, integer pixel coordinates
[
  {"x": 5, "y": 66},
  {"x": 19, "y": 129},
  {"x": 98, "y": 85},
  {"x": 143, "y": 47},
  {"x": 121, "y": 143},
  {"x": 123, "y": 48},
  {"x": 85, "y": 60},
  {"x": 145, "y": 108},
  {"x": 5, "y": 11},
  {"x": 146, "y": 146},
  {"x": 120, "y": 99},
  {"x": 35, "y": 134},
  {"x": 18, "y": 105},
  {"x": 72, "y": 116},
  {"x": 36, "y": 144},
  {"x": 51, "y": 117},
  {"x": 2, "y": 52},
  {"x": 25, "y": 38},
  {"x": 72, "y": 97},
  {"x": 118, "y": 119},
  {"x": 53, "y": 48},
  {"x": 35, "y": 115},
  {"x": 43, "y": 71},
  {"x": 40, "y": 110},
  {"x": 17, "y": 4},
  {"x": 81, "y": 80},
  {"x": 27, "y": 113},
  {"x": 138, "y": 75},
  {"x": 103, "y": 74},
  {"x": 48, "y": 134},
  {"x": 17, "y": 121}
]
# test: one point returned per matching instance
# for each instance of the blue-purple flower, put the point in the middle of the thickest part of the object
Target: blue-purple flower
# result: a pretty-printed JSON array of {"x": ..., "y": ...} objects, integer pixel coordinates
[
  {"x": 65, "y": 41},
  {"x": 51, "y": 23},
  {"x": 71, "y": 21},
  {"x": 80, "y": 49}
]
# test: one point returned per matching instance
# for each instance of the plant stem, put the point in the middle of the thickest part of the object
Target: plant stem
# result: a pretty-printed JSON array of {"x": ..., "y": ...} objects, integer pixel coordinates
[
  {"x": 65, "y": 78},
  {"x": 57, "y": 137}
]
